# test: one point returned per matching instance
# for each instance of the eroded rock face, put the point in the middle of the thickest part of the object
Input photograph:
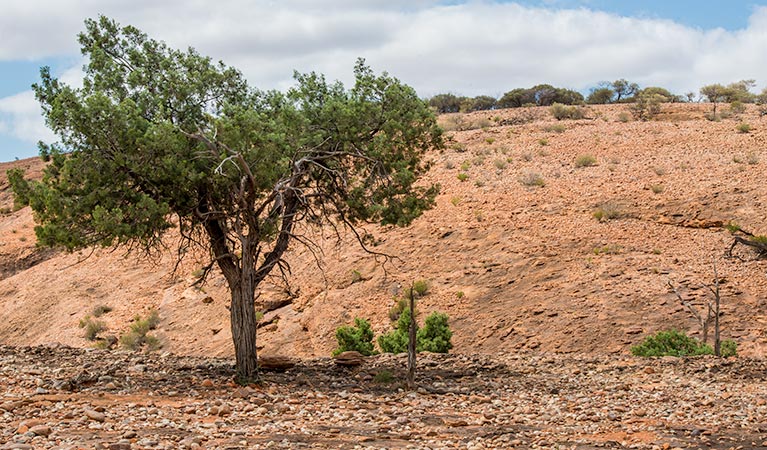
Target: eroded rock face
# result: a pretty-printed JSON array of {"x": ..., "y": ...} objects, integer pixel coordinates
[{"x": 518, "y": 400}]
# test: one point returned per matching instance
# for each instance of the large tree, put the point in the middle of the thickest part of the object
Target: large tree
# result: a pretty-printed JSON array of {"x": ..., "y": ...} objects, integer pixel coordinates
[{"x": 157, "y": 138}]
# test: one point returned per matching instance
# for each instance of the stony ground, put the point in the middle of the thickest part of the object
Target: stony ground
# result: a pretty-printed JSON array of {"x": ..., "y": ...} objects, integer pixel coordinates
[{"x": 65, "y": 398}]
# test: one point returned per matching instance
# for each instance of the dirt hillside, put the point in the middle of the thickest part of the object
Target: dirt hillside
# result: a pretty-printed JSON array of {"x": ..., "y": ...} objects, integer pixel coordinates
[{"x": 518, "y": 267}]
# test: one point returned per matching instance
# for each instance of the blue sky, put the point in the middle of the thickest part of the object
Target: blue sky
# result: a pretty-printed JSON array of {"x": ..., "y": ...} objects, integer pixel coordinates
[{"x": 470, "y": 48}]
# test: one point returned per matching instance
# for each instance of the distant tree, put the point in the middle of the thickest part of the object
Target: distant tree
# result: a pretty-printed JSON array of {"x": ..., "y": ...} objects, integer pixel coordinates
[
  {"x": 740, "y": 91},
  {"x": 665, "y": 95},
  {"x": 446, "y": 103},
  {"x": 624, "y": 90},
  {"x": 516, "y": 98},
  {"x": 478, "y": 103},
  {"x": 600, "y": 96},
  {"x": 714, "y": 93},
  {"x": 689, "y": 96},
  {"x": 158, "y": 138}
]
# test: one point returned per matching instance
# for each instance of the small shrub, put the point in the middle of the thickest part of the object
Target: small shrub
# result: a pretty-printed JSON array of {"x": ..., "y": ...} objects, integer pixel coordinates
[
  {"x": 556, "y": 128},
  {"x": 395, "y": 311},
  {"x": 137, "y": 337},
  {"x": 585, "y": 161},
  {"x": 358, "y": 338},
  {"x": 396, "y": 340},
  {"x": 455, "y": 201},
  {"x": 435, "y": 335},
  {"x": 671, "y": 343},
  {"x": 532, "y": 179},
  {"x": 608, "y": 211},
  {"x": 356, "y": 276},
  {"x": 657, "y": 188},
  {"x": 624, "y": 117},
  {"x": 449, "y": 165},
  {"x": 728, "y": 348},
  {"x": 543, "y": 142},
  {"x": 459, "y": 294},
  {"x": 478, "y": 160},
  {"x": 421, "y": 287},
  {"x": 384, "y": 377},
  {"x": 500, "y": 164},
  {"x": 660, "y": 171},
  {"x": 527, "y": 156},
  {"x": 737, "y": 107},
  {"x": 91, "y": 328},
  {"x": 490, "y": 140},
  {"x": 561, "y": 112},
  {"x": 466, "y": 165},
  {"x": 607, "y": 250},
  {"x": 752, "y": 159},
  {"x": 743, "y": 128},
  {"x": 463, "y": 176},
  {"x": 100, "y": 310}
]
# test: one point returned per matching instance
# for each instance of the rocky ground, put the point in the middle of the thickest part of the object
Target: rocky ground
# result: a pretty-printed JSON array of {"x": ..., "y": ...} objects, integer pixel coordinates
[{"x": 64, "y": 398}]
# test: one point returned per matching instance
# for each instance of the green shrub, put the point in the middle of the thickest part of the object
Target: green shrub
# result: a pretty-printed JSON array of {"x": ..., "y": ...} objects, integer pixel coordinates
[
  {"x": 384, "y": 377},
  {"x": 728, "y": 348},
  {"x": 743, "y": 127},
  {"x": 421, "y": 287},
  {"x": 463, "y": 176},
  {"x": 358, "y": 338},
  {"x": 396, "y": 310},
  {"x": 555, "y": 128},
  {"x": 607, "y": 211},
  {"x": 435, "y": 335},
  {"x": 585, "y": 161},
  {"x": 657, "y": 188},
  {"x": 671, "y": 343},
  {"x": 138, "y": 336},
  {"x": 91, "y": 328}
]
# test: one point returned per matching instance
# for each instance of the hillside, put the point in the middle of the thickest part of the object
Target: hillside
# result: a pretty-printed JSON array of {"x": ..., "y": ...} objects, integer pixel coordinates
[{"x": 518, "y": 268}]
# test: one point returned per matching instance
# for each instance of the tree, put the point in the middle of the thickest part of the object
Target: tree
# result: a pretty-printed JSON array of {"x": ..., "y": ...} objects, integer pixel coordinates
[
  {"x": 446, "y": 103},
  {"x": 158, "y": 138},
  {"x": 600, "y": 96},
  {"x": 714, "y": 93},
  {"x": 624, "y": 90}
]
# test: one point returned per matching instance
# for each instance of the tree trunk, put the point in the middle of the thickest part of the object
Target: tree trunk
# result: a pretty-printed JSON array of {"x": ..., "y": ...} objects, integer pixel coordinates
[
  {"x": 411, "y": 344},
  {"x": 243, "y": 323}
]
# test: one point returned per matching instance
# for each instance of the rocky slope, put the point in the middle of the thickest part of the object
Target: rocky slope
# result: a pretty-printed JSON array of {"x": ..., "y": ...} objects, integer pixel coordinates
[{"x": 519, "y": 268}]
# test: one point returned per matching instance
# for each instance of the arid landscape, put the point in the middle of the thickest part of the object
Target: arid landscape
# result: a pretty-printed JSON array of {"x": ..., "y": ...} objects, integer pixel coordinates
[{"x": 545, "y": 300}]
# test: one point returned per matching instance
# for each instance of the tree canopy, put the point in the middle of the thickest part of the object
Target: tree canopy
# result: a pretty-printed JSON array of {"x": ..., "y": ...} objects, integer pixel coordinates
[{"x": 158, "y": 137}]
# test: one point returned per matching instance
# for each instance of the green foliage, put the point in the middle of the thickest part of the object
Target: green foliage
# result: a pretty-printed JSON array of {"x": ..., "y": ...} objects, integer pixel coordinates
[
  {"x": 600, "y": 96},
  {"x": 421, "y": 287},
  {"x": 158, "y": 137},
  {"x": 671, "y": 343},
  {"x": 647, "y": 105},
  {"x": 138, "y": 337},
  {"x": 608, "y": 211},
  {"x": 20, "y": 187},
  {"x": 539, "y": 95},
  {"x": 463, "y": 176},
  {"x": 732, "y": 227},
  {"x": 384, "y": 377},
  {"x": 759, "y": 239},
  {"x": 91, "y": 328},
  {"x": 728, "y": 348},
  {"x": 357, "y": 338},
  {"x": 743, "y": 127},
  {"x": 434, "y": 337},
  {"x": 585, "y": 161},
  {"x": 446, "y": 103},
  {"x": 532, "y": 179}
]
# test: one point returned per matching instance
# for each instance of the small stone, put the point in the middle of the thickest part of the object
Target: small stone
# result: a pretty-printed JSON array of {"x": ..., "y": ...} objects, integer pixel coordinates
[
  {"x": 207, "y": 383},
  {"x": 207, "y": 300},
  {"x": 349, "y": 359},
  {"x": 276, "y": 363},
  {"x": 120, "y": 446},
  {"x": 41, "y": 430},
  {"x": 94, "y": 415},
  {"x": 224, "y": 410},
  {"x": 649, "y": 370}
]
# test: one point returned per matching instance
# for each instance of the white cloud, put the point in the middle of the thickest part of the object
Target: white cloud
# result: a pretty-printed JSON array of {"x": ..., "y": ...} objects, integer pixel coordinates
[
  {"x": 477, "y": 47},
  {"x": 20, "y": 117}
]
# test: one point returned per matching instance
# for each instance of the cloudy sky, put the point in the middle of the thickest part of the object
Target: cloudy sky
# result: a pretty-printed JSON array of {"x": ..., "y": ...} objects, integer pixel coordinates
[{"x": 466, "y": 47}]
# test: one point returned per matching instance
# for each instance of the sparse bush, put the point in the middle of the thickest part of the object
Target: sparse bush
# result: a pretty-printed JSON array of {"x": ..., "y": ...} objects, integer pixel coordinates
[
  {"x": 660, "y": 171},
  {"x": 500, "y": 164},
  {"x": 647, "y": 106},
  {"x": 743, "y": 127},
  {"x": 358, "y": 338},
  {"x": 657, "y": 188},
  {"x": 561, "y": 112},
  {"x": 396, "y": 340},
  {"x": 728, "y": 348},
  {"x": 737, "y": 107},
  {"x": 449, "y": 165},
  {"x": 556, "y": 128},
  {"x": 455, "y": 201},
  {"x": 421, "y": 287},
  {"x": 585, "y": 161},
  {"x": 465, "y": 165},
  {"x": 532, "y": 179},
  {"x": 624, "y": 117},
  {"x": 91, "y": 328},
  {"x": 100, "y": 310},
  {"x": 384, "y": 377},
  {"x": 463, "y": 176},
  {"x": 138, "y": 336},
  {"x": 543, "y": 142},
  {"x": 671, "y": 343},
  {"x": 490, "y": 140},
  {"x": 356, "y": 276},
  {"x": 608, "y": 211},
  {"x": 395, "y": 311},
  {"x": 752, "y": 158}
]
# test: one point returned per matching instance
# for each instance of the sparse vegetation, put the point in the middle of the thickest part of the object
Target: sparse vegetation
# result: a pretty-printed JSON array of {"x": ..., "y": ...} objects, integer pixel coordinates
[
  {"x": 91, "y": 328},
  {"x": 657, "y": 188},
  {"x": 532, "y": 179},
  {"x": 358, "y": 338},
  {"x": 138, "y": 335},
  {"x": 671, "y": 343},
  {"x": 561, "y": 112},
  {"x": 421, "y": 287},
  {"x": 743, "y": 127},
  {"x": 100, "y": 310},
  {"x": 435, "y": 336},
  {"x": 608, "y": 211},
  {"x": 463, "y": 176},
  {"x": 500, "y": 164},
  {"x": 384, "y": 377},
  {"x": 585, "y": 161}
]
